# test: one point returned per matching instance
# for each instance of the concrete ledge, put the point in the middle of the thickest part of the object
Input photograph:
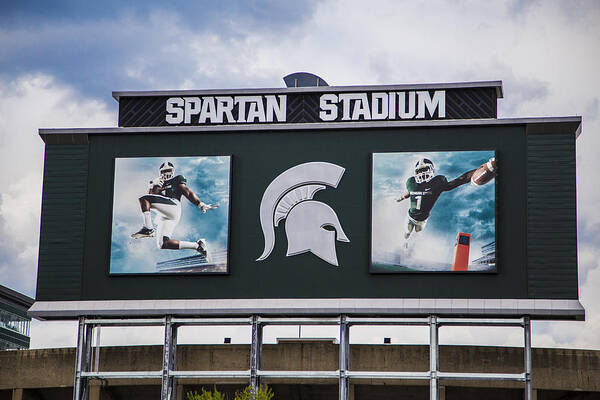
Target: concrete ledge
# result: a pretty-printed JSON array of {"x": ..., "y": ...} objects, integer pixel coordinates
[{"x": 496, "y": 308}]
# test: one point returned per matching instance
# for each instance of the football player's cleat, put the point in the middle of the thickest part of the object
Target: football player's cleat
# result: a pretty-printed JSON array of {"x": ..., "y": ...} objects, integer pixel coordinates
[
  {"x": 203, "y": 249},
  {"x": 167, "y": 170},
  {"x": 424, "y": 170},
  {"x": 142, "y": 233}
]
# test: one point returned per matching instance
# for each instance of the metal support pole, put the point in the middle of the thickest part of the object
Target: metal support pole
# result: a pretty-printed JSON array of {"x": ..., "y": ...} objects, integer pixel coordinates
[
  {"x": 433, "y": 358},
  {"x": 344, "y": 357},
  {"x": 97, "y": 350},
  {"x": 527, "y": 352},
  {"x": 256, "y": 353},
  {"x": 87, "y": 362},
  {"x": 173, "y": 361},
  {"x": 80, "y": 383},
  {"x": 169, "y": 360}
]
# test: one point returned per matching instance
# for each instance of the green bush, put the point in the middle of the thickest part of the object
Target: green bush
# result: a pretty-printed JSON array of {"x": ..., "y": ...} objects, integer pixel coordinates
[
  {"x": 262, "y": 393},
  {"x": 206, "y": 395}
]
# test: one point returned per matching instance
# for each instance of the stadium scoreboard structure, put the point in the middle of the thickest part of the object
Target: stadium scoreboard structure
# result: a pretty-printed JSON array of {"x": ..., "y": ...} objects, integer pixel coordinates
[
  {"x": 357, "y": 205},
  {"x": 358, "y": 200}
]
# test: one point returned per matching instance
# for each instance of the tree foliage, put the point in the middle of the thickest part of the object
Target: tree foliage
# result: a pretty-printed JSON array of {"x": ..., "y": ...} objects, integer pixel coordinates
[{"x": 262, "y": 393}]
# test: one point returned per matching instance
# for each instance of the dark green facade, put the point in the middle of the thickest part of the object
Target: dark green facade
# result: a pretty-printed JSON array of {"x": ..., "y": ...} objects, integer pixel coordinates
[{"x": 536, "y": 224}]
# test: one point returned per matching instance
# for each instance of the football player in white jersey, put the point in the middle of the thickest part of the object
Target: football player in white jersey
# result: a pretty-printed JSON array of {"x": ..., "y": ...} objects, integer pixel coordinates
[{"x": 164, "y": 197}]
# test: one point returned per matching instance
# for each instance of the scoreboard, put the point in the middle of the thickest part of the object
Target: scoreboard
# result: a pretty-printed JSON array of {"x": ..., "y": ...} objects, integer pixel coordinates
[{"x": 378, "y": 200}]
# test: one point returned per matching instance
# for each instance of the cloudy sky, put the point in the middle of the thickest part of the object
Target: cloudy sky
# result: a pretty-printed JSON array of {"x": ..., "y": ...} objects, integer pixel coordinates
[{"x": 60, "y": 60}]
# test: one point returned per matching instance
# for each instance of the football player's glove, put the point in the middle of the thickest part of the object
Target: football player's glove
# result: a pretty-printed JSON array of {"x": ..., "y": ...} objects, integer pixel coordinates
[
  {"x": 205, "y": 207},
  {"x": 491, "y": 164},
  {"x": 156, "y": 182}
]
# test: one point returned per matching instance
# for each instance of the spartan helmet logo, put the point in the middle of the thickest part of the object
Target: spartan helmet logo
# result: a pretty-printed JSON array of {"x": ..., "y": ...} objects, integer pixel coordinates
[{"x": 289, "y": 197}]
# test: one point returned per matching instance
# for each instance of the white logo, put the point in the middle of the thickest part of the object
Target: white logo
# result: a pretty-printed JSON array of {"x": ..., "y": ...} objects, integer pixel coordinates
[{"x": 289, "y": 196}]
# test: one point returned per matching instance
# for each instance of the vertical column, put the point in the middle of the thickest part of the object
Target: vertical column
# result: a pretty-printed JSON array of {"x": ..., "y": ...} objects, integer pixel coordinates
[
  {"x": 89, "y": 334},
  {"x": 442, "y": 392},
  {"x": 169, "y": 360},
  {"x": 255, "y": 353},
  {"x": 344, "y": 357},
  {"x": 95, "y": 390},
  {"x": 17, "y": 394},
  {"x": 173, "y": 361},
  {"x": 433, "y": 358},
  {"x": 97, "y": 350},
  {"x": 80, "y": 384},
  {"x": 179, "y": 392},
  {"x": 527, "y": 355}
]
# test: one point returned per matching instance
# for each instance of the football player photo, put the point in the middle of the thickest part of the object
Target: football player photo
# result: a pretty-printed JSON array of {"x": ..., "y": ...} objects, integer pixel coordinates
[
  {"x": 433, "y": 212},
  {"x": 181, "y": 204}
]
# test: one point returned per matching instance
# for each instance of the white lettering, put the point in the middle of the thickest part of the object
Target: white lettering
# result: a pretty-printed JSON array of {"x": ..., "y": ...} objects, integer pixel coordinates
[
  {"x": 174, "y": 110},
  {"x": 208, "y": 110},
  {"x": 345, "y": 99},
  {"x": 329, "y": 110},
  {"x": 256, "y": 109},
  {"x": 361, "y": 107},
  {"x": 379, "y": 105},
  {"x": 392, "y": 105},
  {"x": 278, "y": 110},
  {"x": 192, "y": 107},
  {"x": 241, "y": 102},
  {"x": 438, "y": 101},
  {"x": 224, "y": 108},
  {"x": 402, "y": 113}
]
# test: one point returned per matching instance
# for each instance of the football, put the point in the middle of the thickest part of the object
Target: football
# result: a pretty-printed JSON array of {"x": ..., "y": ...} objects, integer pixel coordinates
[{"x": 485, "y": 173}]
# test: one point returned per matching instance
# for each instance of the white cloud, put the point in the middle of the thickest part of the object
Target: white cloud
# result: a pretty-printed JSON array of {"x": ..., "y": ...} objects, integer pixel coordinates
[
  {"x": 545, "y": 52},
  {"x": 27, "y": 103},
  {"x": 53, "y": 334}
]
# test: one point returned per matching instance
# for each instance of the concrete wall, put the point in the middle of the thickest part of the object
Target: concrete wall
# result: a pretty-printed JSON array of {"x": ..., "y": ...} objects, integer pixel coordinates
[{"x": 42, "y": 373}]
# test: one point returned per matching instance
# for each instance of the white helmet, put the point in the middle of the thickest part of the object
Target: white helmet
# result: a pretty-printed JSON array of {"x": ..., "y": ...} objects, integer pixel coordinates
[
  {"x": 424, "y": 170},
  {"x": 166, "y": 170},
  {"x": 310, "y": 226}
]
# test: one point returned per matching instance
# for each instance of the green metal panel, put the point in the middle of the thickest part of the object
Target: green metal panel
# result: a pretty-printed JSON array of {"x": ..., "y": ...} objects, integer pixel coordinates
[
  {"x": 257, "y": 158},
  {"x": 77, "y": 213},
  {"x": 551, "y": 216},
  {"x": 63, "y": 222}
]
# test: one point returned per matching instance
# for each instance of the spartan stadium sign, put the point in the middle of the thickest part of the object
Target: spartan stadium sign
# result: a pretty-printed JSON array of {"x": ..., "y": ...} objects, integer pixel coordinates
[
  {"x": 309, "y": 105},
  {"x": 360, "y": 106}
]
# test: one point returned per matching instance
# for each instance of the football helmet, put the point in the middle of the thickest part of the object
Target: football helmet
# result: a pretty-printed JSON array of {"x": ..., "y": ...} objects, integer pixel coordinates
[
  {"x": 424, "y": 170},
  {"x": 167, "y": 170}
]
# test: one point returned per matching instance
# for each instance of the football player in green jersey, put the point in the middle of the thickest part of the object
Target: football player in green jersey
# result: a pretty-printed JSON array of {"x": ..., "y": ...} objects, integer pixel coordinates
[
  {"x": 164, "y": 197},
  {"x": 423, "y": 189}
]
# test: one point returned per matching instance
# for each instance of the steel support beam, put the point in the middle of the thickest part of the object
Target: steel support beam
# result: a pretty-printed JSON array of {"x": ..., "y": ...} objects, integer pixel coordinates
[
  {"x": 433, "y": 358},
  {"x": 344, "y": 357},
  {"x": 97, "y": 349},
  {"x": 169, "y": 360},
  {"x": 84, "y": 371},
  {"x": 87, "y": 362},
  {"x": 527, "y": 356},
  {"x": 256, "y": 353},
  {"x": 126, "y": 321},
  {"x": 82, "y": 360}
]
